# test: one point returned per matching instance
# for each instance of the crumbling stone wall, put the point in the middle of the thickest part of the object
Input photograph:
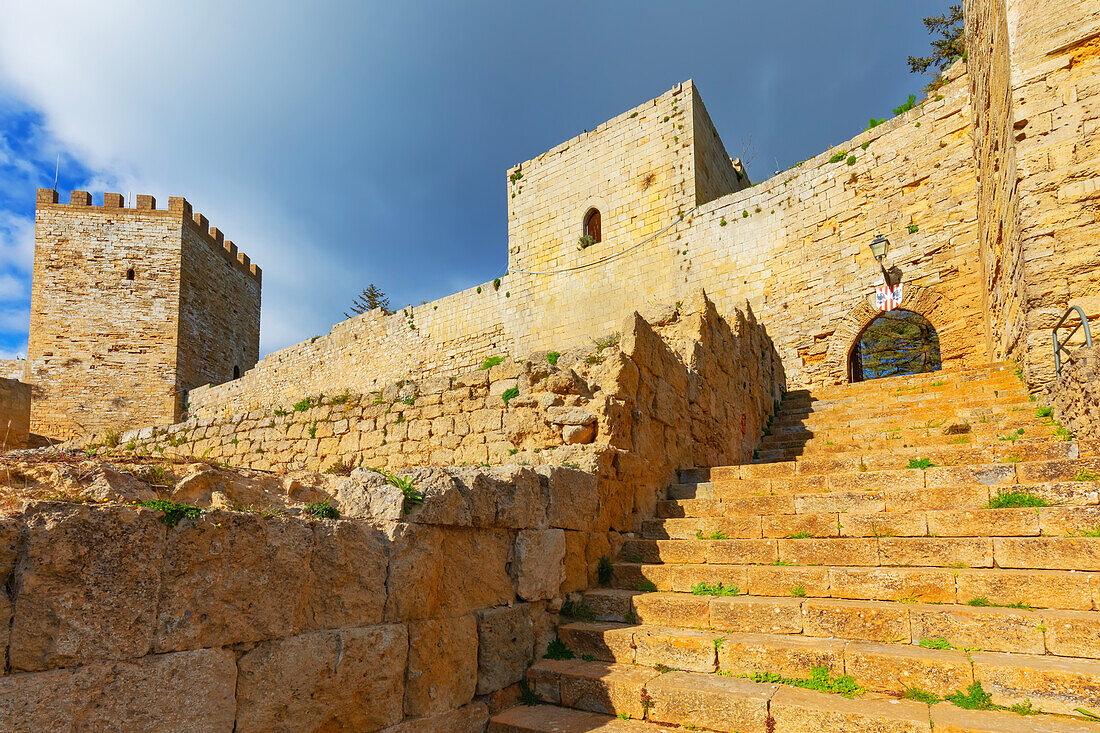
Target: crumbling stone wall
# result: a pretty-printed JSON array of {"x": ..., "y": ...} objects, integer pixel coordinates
[
  {"x": 15, "y": 413},
  {"x": 663, "y": 396},
  {"x": 400, "y": 620},
  {"x": 1075, "y": 394}
]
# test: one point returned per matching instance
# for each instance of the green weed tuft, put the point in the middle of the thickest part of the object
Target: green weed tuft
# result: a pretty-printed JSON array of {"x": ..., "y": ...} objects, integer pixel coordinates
[
  {"x": 490, "y": 362},
  {"x": 553, "y": 357},
  {"x": 321, "y": 510},
  {"x": 172, "y": 511},
  {"x": 558, "y": 650},
  {"x": 921, "y": 463},
  {"x": 705, "y": 589},
  {"x": 1014, "y": 499},
  {"x": 820, "y": 679},
  {"x": 604, "y": 570}
]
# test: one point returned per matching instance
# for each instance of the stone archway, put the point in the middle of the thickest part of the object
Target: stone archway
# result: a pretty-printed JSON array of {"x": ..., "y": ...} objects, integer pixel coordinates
[{"x": 922, "y": 300}]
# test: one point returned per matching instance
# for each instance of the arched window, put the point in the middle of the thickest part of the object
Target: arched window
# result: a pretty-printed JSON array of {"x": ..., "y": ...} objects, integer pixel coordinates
[
  {"x": 130, "y": 274},
  {"x": 592, "y": 225},
  {"x": 236, "y": 372},
  {"x": 895, "y": 343}
]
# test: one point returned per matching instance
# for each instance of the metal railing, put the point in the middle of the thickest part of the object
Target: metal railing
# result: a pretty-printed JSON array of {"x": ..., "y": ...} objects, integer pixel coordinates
[{"x": 1060, "y": 347}]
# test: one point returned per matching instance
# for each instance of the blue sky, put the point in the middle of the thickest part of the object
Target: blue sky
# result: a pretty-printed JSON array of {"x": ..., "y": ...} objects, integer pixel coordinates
[{"x": 342, "y": 143}]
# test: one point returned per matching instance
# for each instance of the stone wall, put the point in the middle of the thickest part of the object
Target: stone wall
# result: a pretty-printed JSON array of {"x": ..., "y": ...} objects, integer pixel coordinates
[
  {"x": 1055, "y": 55},
  {"x": 662, "y": 395},
  {"x": 1075, "y": 394},
  {"x": 129, "y": 308},
  {"x": 421, "y": 620},
  {"x": 219, "y": 320},
  {"x": 993, "y": 122},
  {"x": 15, "y": 413},
  {"x": 14, "y": 369}
]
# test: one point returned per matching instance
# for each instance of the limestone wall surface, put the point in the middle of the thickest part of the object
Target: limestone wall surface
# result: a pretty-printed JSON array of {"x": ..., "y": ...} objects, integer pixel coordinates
[
  {"x": 14, "y": 369},
  {"x": 15, "y": 413},
  {"x": 130, "y": 307},
  {"x": 993, "y": 122},
  {"x": 401, "y": 619},
  {"x": 102, "y": 347},
  {"x": 1075, "y": 394}
]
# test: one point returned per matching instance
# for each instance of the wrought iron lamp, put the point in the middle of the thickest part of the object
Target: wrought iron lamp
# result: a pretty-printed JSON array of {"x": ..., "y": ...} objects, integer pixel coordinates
[{"x": 879, "y": 247}]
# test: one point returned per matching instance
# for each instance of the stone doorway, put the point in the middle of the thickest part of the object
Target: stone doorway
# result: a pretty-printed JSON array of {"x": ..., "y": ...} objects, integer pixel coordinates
[{"x": 895, "y": 343}]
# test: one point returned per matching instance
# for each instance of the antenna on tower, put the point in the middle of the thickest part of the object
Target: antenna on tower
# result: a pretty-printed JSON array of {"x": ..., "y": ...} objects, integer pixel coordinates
[{"x": 56, "y": 167}]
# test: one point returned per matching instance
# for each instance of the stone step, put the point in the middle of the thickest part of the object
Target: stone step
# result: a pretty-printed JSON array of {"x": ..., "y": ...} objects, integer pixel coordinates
[
  {"x": 1055, "y": 589},
  {"x": 1030, "y": 553},
  {"x": 794, "y": 710},
  {"x": 1056, "y": 632},
  {"x": 1051, "y": 521},
  {"x": 1066, "y": 469},
  {"x": 553, "y": 719},
  {"x": 898, "y": 456},
  {"x": 1051, "y": 684},
  {"x": 830, "y": 443},
  {"x": 907, "y": 414},
  {"x": 899, "y": 494},
  {"x": 1085, "y": 471}
]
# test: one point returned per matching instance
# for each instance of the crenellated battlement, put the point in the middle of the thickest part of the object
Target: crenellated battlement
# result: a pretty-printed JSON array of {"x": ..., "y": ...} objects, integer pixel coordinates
[{"x": 177, "y": 207}]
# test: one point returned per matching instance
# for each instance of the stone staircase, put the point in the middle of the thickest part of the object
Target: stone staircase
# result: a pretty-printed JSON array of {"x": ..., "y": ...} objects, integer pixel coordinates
[{"x": 876, "y": 547}]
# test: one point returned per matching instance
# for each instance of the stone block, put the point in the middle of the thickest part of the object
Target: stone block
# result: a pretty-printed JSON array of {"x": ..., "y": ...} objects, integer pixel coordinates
[
  {"x": 1057, "y": 589},
  {"x": 672, "y": 609},
  {"x": 990, "y": 629},
  {"x": 506, "y": 646},
  {"x": 350, "y": 679},
  {"x": 891, "y": 668},
  {"x": 866, "y": 621},
  {"x": 229, "y": 578},
  {"x": 926, "y": 585},
  {"x": 984, "y": 523},
  {"x": 973, "y": 552},
  {"x": 608, "y": 642},
  {"x": 781, "y": 580},
  {"x": 806, "y": 711},
  {"x": 348, "y": 571},
  {"x": 573, "y": 498},
  {"x": 753, "y": 615},
  {"x": 538, "y": 568},
  {"x": 1052, "y": 684},
  {"x": 442, "y": 666},
  {"x": 1071, "y": 633},
  {"x": 604, "y": 687},
  {"x": 709, "y": 701},
  {"x": 88, "y": 585},
  {"x": 689, "y": 649},
  {"x": 1054, "y": 553},
  {"x": 741, "y": 552},
  {"x": 447, "y": 571},
  {"x": 833, "y": 551},
  {"x": 790, "y": 656},
  {"x": 184, "y": 691}
]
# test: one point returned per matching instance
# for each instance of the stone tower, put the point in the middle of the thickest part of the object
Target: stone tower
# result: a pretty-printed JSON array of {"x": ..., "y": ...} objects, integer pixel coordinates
[{"x": 130, "y": 309}]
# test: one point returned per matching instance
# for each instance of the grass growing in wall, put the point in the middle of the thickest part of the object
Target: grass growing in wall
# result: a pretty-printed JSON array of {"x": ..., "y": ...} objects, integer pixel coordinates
[
  {"x": 509, "y": 394},
  {"x": 839, "y": 156},
  {"x": 172, "y": 512},
  {"x": 553, "y": 357},
  {"x": 490, "y": 362},
  {"x": 321, "y": 510},
  {"x": 558, "y": 650},
  {"x": 706, "y": 589},
  {"x": 1012, "y": 499},
  {"x": 820, "y": 679}
]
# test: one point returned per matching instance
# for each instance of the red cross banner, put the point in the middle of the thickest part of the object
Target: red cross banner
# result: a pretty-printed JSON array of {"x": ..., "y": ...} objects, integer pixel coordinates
[{"x": 888, "y": 298}]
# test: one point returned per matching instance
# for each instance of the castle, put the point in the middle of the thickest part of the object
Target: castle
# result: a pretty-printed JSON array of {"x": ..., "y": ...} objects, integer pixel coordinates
[{"x": 635, "y": 484}]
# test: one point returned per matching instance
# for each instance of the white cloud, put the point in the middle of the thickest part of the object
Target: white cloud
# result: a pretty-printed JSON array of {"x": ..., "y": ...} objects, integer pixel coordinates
[
  {"x": 16, "y": 245},
  {"x": 19, "y": 352}
]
